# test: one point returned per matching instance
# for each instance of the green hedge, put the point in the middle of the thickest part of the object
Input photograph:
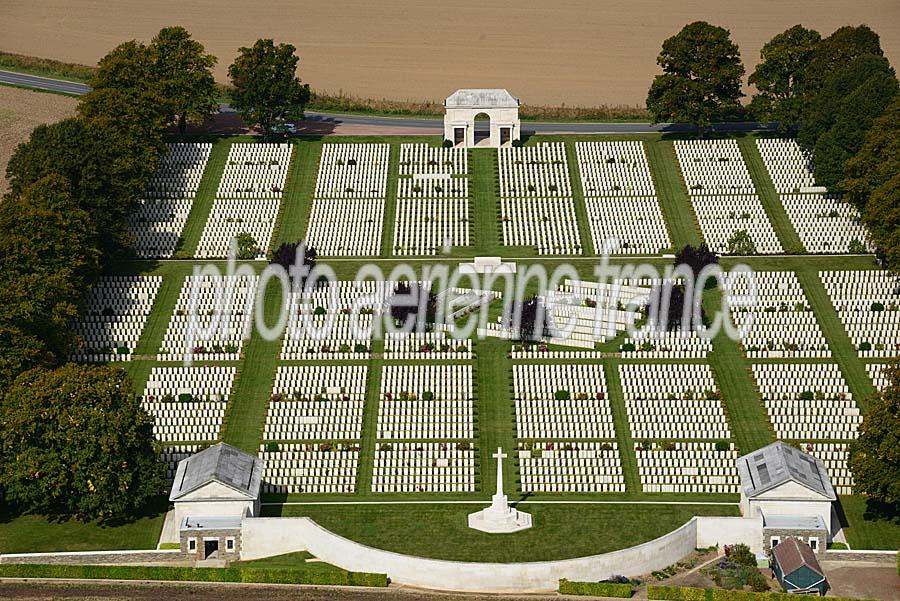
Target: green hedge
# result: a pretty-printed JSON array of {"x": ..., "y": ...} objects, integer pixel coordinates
[
  {"x": 257, "y": 575},
  {"x": 595, "y": 589},
  {"x": 671, "y": 593}
]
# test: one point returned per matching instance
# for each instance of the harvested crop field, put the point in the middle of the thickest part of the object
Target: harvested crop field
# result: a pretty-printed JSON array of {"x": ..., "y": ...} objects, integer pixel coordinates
[
  {"x": 20, "y": 112},
  {"x": 577, "y": 52}
]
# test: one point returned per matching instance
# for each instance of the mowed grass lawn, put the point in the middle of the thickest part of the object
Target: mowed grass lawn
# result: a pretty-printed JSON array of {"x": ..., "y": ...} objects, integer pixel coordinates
[
  {"x": 292, "y": 561},
  {"x": 36, "y": 534},
  {"x": 440, "y": 530},
  {"x": 871, "y": 525},
  {"x": 560, "y": 531}
]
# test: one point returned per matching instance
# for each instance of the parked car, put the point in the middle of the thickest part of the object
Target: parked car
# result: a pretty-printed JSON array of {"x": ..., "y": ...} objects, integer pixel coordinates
[{"x": 284, "y": 128}]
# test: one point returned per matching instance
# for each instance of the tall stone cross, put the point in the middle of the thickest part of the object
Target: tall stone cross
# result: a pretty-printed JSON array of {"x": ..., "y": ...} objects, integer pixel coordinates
[
  {"x": 499, "y": 517},
  {"x": 499, "y": 498}
]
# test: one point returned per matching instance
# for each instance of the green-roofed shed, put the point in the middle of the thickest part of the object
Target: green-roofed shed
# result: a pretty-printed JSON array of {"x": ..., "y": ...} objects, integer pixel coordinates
[{"x": 797, "y": 569}]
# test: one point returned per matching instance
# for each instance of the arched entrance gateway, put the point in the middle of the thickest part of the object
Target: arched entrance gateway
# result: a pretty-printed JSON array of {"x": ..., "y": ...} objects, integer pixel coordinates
[
  {"x": 482, "y": 129},
  {"x": 497, "y": 114}
]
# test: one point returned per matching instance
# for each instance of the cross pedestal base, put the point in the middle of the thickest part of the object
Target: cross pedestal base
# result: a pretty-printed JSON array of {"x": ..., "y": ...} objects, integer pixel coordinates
[{"x": 499, "y": 517}]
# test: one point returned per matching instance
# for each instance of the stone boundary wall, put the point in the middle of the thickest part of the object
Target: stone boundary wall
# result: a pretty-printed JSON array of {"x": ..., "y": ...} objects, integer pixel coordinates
[
  {"x": 886, "y": 557},
  {"x": 96, "y": 557}
]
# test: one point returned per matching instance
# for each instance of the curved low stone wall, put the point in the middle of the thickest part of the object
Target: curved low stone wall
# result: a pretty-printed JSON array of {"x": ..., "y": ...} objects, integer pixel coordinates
[{"x": 303, "y": 534}]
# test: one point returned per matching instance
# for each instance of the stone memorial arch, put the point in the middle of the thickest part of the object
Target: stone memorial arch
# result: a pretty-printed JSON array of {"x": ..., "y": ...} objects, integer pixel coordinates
[{"x": 463, "y": 107}]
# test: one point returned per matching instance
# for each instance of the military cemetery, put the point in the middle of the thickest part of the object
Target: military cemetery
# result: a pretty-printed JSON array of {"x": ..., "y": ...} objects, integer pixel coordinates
[{"x": 614, "y": 447}]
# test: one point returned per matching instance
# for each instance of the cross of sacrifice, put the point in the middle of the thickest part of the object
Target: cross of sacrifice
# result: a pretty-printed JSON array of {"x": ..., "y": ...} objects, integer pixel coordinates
[{"x": 500, "y": 456}]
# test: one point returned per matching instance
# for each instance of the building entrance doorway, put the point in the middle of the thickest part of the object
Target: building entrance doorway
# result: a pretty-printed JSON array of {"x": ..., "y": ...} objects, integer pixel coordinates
[{"x": 482, "y": 128}]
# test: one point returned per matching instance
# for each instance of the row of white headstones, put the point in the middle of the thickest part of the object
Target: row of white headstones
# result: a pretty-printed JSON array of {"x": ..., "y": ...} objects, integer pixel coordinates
[{"x": 537, "y": 209}]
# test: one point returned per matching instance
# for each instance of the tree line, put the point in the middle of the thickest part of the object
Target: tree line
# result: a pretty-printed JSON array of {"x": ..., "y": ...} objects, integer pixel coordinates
[
  {"x": 74, "y": 439},
  {"x": 838, "y": 94}
]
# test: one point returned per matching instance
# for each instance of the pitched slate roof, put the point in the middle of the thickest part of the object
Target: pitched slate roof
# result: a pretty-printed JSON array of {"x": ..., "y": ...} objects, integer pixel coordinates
[
  {"x": 791, "y": 555},
  {"x": 778, "y": 463},
  {"x": 220, "y": 463},
  {"x": 481, "y": 98}
]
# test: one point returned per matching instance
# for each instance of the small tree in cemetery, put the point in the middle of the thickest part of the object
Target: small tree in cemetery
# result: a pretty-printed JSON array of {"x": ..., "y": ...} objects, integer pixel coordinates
[
  {"x": 534, "y": 320},
  {"x": 247, "y": 247},
  {"x": 413, "y": 303},
  {"x": 674, "y": 318},
  {"x": 740, "y": 243},
  {"x": 286, "y": 256}
]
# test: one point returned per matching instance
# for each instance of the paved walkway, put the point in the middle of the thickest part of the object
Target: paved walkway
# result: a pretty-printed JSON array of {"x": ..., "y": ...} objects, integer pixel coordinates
[{"x": 865, "y": 580}]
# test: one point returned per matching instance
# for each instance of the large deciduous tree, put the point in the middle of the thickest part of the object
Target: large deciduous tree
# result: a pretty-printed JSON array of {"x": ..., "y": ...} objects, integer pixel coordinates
[
  {"x": 855, "y": 116},
  {"x": 128, "y": 105},
  {"x": 875, "y": 454},
  {"x": 105, "y": 170},
  {"x": 696, "y": 258},
  {"x": 76, "y": 442},
  {"x": 701, "y": 79},
  {"x": 61, "y": 148},
  {"x": 835, "y": 121},
  {"x": 822, "y": 109},
  {"x": 266, "y": 87},
  {"x": 48, "y": 259},
  {"x": 780, "y": 76},
  {"x": 183, "y": 72},
  {"x": 882, "y": 216},
  {"x": 136, "y": 134},
  {"x": 45, "y": 231},
  {"x": 128, "y": 65},
  {"x": 838, "y": 50},
  {"x": 108, "y": 154},
  {"x": 877, "y": 161},
  {"x": 848, "y": 83}
]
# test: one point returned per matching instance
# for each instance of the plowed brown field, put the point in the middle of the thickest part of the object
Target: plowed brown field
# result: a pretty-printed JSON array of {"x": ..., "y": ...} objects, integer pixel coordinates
[
  {"x": 578, "y": 52},
  {"x": 20, "y": 112}
]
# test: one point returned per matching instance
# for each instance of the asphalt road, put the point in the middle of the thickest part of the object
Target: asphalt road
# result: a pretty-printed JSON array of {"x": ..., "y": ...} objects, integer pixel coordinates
[
  {"x": 43, "y": 83},
  {"x": 432, "y": 126}
]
